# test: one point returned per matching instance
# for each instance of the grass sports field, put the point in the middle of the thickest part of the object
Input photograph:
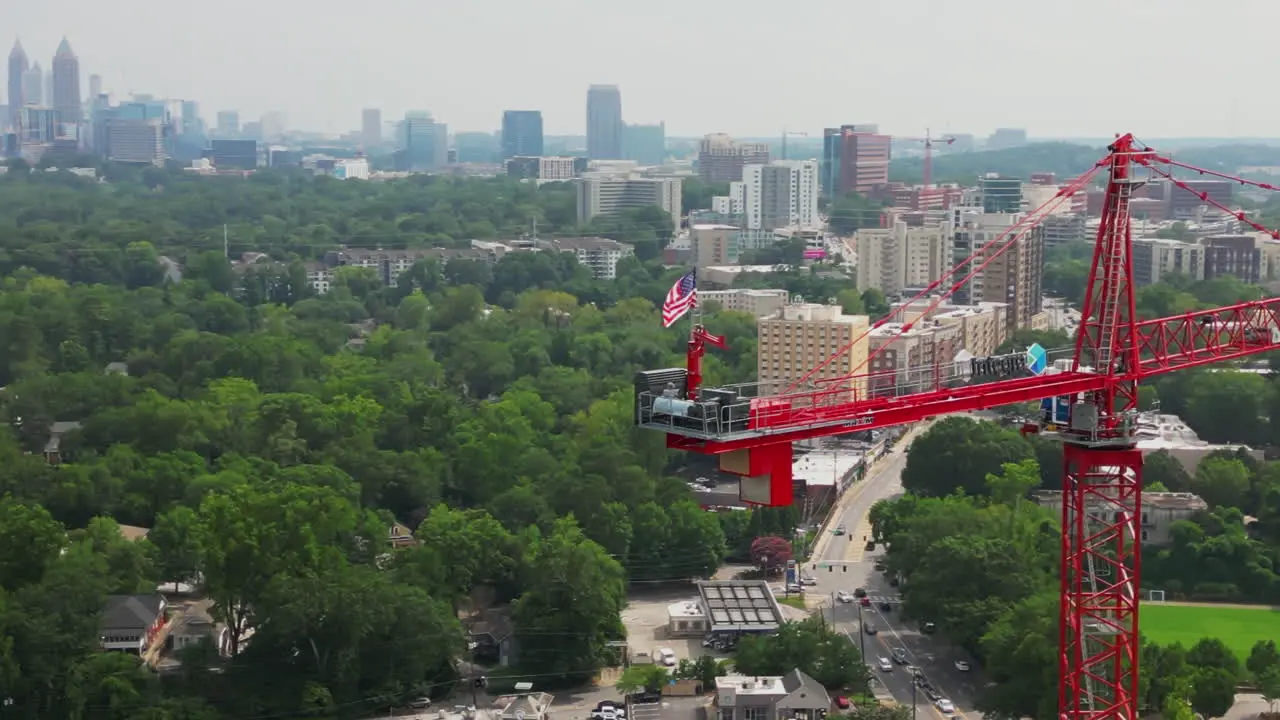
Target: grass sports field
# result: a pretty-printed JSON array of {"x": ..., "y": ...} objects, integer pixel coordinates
[{"x": 1239, "y": 626}]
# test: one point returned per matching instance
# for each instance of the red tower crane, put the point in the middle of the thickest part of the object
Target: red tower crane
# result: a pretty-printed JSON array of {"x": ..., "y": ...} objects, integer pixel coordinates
[
  {"x": 1090, "y": 404},
  {"x": 929, "y": 143}
]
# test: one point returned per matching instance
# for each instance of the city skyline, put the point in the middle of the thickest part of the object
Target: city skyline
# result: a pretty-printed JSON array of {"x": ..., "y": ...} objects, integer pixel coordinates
[{"x": 936, "y": 65}]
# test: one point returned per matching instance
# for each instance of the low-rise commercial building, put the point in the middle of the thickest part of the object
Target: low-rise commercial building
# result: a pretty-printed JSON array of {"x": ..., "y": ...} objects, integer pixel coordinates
[
  {"x": 761, "y": 303},
  {"x": 794, "y": 696}
]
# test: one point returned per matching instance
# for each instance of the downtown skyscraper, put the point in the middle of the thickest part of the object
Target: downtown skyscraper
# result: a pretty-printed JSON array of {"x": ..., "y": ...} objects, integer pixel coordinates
[
  {"x": 67, "y": 100},
  {"x": 18, "y": 67},
  {"x": 521, "y": 133},
  {"x": 604, "y": 122}
]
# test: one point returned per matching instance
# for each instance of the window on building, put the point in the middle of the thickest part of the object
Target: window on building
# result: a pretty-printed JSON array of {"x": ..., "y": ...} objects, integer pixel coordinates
[{"x": 755, "y": 713}]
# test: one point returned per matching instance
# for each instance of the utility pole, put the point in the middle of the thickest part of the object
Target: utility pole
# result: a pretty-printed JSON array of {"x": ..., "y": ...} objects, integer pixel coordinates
[
  {"x": 915, "y": 685},
  {"x": 226, "y": 250},
  {"x": 862, "y": 634}
]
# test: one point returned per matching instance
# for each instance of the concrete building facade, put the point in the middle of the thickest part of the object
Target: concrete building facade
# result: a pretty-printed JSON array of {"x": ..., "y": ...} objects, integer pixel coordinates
[
  {"x": 1155, "y": 258},
  {"x": 761, "y": 303},
  {"x": 612, "y": 195},
  {"x": 721, "y": 159},
  {"x": 801, "y": 336},
  {"x": 714, "y": 244},
  {"x": 780, "y": 194},
  {"x": 897, "y": 257}
]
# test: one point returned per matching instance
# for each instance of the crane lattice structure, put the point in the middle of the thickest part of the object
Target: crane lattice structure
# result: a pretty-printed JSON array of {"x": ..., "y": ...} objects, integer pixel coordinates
[
  {"x": 929, "y": 143},
  {"x": 1089, "y": 402}
]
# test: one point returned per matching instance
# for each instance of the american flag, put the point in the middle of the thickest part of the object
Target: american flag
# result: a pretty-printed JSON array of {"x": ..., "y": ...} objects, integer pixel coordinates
[{"x": 682, "y": 296}]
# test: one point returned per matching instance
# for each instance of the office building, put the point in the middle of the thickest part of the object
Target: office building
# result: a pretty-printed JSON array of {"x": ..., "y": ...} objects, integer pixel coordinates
[
  {"x": 855, "y": 159},
  {"x": 33, "y": 86},
  {"x": 37, "y": 125},
  {"x": 799, "y": 337},
  {"x": 1005, "y": 138},
  {"x": 983, "y": 327},
  {"x": 521, "y": 133},
  {"x": 228, "y": 123},
  {"x": 1239, "y": 256},
  {"x": 1155, "y": 259},
  {"x": 95, "y": 86},
  {"x": 371, "y": 127},
  {"x": 136, "y": 141},
  {"x": 66, "y": 85},
  {"x": 612, "y": 195},
  {"x": 780, "y": 194},
  {"x": 645, "y": 144},
  {"x": 1015, "y": 277},
  {"x": 1064, "y": 228},
  {"x": 234, "y": 154},
  {"x": 1001, "y": 194},
  {"x": 713, "y": 244},
  {"x": 476, "y": 147},
  {"x": 1183, "y": 205},
  {"x": 351, "y": 169},
  {"x": 18, "y": 67},
  {"x": 900, "y": 256},
  {"x": 760, "y": 303},
  {"x": 541, "y": 168},
  {"x": 604, "y": 122},
  {"x": 424, "y": 143},
  {"x": 721, "y": 159}
]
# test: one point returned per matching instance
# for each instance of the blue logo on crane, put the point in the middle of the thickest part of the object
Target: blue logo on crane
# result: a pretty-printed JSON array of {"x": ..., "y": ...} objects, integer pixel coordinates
[{"x": 1037, "y": 359}]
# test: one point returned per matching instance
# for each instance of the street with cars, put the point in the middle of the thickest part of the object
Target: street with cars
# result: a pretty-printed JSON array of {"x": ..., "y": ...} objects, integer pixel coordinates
[{"x": 859, "y": 600}]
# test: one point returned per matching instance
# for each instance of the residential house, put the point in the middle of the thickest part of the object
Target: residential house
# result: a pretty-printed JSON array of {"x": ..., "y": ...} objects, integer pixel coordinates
[
  {"x": 130, "y": 622},
  {"x": 794, "y": 696},
  {"x": 494, "y": 638},
  {"x": 133, "y": 532},
  {"x": 401, "y": 536},
  {"x": 53, "y": 446},
  {"x": 1160, "y": 510},
  {"x": 192, "y": 625}
]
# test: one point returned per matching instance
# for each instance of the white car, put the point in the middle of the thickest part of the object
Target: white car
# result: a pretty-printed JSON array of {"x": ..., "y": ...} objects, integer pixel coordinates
[
  {"x": 666, "y": 656},
  {"x": 844, "y": 597},
  {"x": 962, "y": 666},
  {"x": 885, "y": 665},
  {"x": 946, "y": 707}
]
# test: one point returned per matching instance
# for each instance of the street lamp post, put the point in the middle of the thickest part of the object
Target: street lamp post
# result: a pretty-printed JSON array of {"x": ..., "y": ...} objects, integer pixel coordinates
[
  {"x": 915, "y": 685},
  {"x": 862, "y": 634}
]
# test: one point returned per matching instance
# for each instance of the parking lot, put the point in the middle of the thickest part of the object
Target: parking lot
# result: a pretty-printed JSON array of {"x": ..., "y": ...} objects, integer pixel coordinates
[{"x": 645, "y": 618}]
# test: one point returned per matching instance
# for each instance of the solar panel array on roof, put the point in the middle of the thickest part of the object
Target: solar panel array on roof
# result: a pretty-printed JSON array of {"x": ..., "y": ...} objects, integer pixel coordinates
[{"x": 740, "y": 605}]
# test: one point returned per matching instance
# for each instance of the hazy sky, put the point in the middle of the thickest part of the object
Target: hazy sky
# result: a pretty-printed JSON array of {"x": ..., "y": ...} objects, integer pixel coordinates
[{"x": 746, "y": 67}]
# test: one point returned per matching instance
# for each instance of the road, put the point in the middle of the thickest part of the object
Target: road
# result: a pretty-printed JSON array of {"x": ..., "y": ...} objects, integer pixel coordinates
[{"x": 852, "y": 567}]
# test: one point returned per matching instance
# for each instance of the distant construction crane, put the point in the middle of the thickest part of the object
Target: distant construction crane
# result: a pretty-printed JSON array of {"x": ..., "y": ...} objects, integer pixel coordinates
[
  {"x": 929, "y": 141},
  {"x": 790, "y": 133}
]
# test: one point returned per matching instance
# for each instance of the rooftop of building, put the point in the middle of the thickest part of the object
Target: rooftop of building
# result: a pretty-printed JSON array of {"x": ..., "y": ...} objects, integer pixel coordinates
[
  {"x": 769, "y": 684},
  {"x": 825, "y": 467},
  {"x": 713, "y": 226},
  {"x": 585, "y": 243},
  {"x": 745, "y": 292},
  {"x": 745, "y": 605},
  {"x": 685, "y": 609},
  {"x": 1152, "y": 500}
]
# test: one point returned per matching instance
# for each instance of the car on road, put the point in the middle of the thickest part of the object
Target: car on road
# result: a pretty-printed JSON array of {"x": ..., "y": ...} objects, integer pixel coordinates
[
  {"x": 899, "y": 655},
  {"x": 946, "y": 706},
  {"x": 879, "y": 566},
  {"x": 666, "y": 656},
  {"x": 608, "y": 710},
  {"x": 844, "y": 597},
  {"x": 869, "y": 629},
  {"x": 860, "y": 592},
  {"x": 928, "y": 628},
  {"x": 809, "y": 580},
  {"x": 885, "y": 606},
  {"x": 840, "y": 530},
  {"x": 794, "y": 589},
  {"x": 962, "y": 666},
  {"x": 864, "y": 601},
  {"x": 885, "y": 665}
]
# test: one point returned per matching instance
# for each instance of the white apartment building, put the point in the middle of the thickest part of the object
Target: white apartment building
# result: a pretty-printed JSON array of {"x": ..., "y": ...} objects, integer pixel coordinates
[
  {"x": 730, "y": 204},
  {"x": 761, "y": 303},
  {"x": 799, "y": 337},
  {"x": 351, "y": 169},
  {"x": 1154, "y": 259},
  {"x": 599, "y": 255},
  {"x": 555, "y": 168},
  {"x": 780, "y": 194},
  {"x": 610, "y": 195},
  {"x": 891, "y": 259}
]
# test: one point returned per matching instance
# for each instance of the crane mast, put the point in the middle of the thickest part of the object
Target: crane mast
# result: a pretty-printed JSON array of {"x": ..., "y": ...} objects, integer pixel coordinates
[{"x": 1089, "y": 403}]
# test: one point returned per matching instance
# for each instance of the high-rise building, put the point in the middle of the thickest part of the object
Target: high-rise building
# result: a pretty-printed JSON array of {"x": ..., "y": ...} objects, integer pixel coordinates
[
  {"x": 235, "y": 154},
  {"x": 780, "y": 194},
  {"x": 521, "y": 133},
  {"x": 1154, "y": 259},
  {"x": 95, "y": 87},
  {"x": 612, "y": 195},
  {"x": 604, "y": 122},
  {"x": 1015, "y": 277},
  {"x": 371, "y": 127},
  {"x": 424, "y": 143},
  {"x": 855, "y": 158},
  {"x": 18, "y": 67},
  {"x": 66, "y": 85},
  {"x": 645, "y": 144},
  {"x": 910, "y": 359},
  {"x": 800, "y": 336},
  {"x": 898, "y": 257},
  {"x": 713, "y": 244},
  {"x": 1001, "y": 194},
  {"x": 721, "y": 159},
  {"x": 33, "y": 86},
  {"x": 228, "y": 123},
  {"x": 132, "y": 140},
  {"x": 476, "y": 147},
  {"x": 38, "y": 125}
]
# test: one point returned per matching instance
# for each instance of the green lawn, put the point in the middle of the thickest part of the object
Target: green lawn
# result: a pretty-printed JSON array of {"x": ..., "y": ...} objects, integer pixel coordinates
[{"x": 1238, "y": 627}]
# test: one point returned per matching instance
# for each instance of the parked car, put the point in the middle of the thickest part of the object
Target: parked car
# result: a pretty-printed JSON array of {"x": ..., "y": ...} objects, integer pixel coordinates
[
  {"x": 962, "y": 666},
  {"x": 421, "y": 703},
  {"x": 885, "y": 665},
  {"x": 794, "y": 589},
  {"x": 809, "y": 580},
  {"x": 608, "y": 710},
  {"x": 842, "y": 702},
  {"x": 844, "y": 597},
  {"x": 667, "y": 656},
  {"x": 946, "y": 707}
]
